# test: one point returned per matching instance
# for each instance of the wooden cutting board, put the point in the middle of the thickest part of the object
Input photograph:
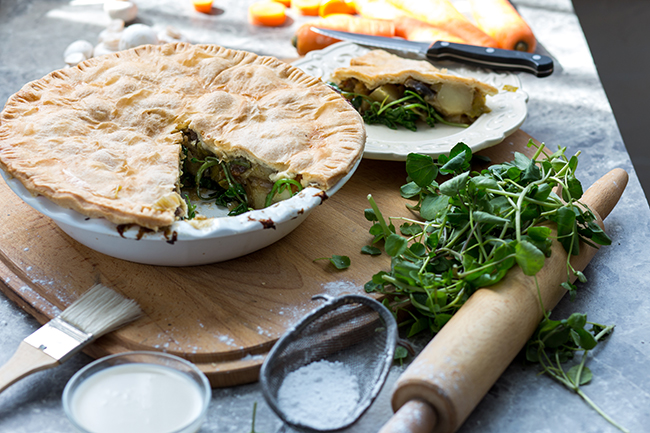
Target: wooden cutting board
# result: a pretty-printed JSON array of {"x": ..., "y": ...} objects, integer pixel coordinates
[{"x": 223, "y": 317}]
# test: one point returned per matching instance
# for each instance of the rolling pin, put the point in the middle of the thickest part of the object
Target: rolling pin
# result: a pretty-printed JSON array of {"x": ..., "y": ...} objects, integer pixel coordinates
[{"x": 446, "y": 381}]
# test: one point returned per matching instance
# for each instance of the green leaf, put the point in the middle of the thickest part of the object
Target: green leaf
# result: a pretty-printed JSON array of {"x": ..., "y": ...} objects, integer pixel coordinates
[
  {"x": 585, "y": 375},
  {"x": 408, "y": 229},
  {"x": 543, "y": 192},
  {"x": 531, "y": 173},
  {"x": 370, "y": 215},
  {"x": 421, "y": 169},
  {"x": 432, "y": 205},
  {"x": 484, "y": 182},
  {"x": 418, "y": 250},
  {"x": 454, "y": 185},
  {"x": 529, "y": 258},
  {"x": 340, "y": 262},
  {"x": 487, "y": 218},
  {"x": 395, "y": 245},
  {"x": 577, "y": 320},
  {"x": 432, "y": 240},
  {"x": 587, "y": 340},
  {"x": 455, "y": 164},
  {"x": 370, "y": 250},
  {"x": 521, "y": 161},
  {"x": 598, "y": 235},
  {"x": 422, "y": 324},
  {"x": 565, "y": 219},
  {"x": 532, "y": 353},
  {"x": 539, "y": 233},
  {"x": 410, "y": 190},
  {"x": 557, "y": 337},
  {"x": 400, "y": 353}
]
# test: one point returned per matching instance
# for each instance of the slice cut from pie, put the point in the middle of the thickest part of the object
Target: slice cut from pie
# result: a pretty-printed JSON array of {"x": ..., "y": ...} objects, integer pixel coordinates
[
  {"x": 383, "y": 77},
  {"x": 108, "y": 138}
]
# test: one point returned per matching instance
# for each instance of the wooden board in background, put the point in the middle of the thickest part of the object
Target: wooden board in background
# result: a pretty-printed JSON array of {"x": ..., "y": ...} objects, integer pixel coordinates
[{"x": 223, "y": 317}]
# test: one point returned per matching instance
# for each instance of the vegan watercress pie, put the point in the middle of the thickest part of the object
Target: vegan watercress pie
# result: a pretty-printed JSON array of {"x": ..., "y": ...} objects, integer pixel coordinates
[
  {"x": 112, "y": 136},
  {"x": 396, "y": 91}
]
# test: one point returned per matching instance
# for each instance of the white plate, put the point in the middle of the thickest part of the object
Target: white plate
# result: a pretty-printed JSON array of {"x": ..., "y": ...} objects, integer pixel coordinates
[
  {"x": 221, "y": 238},
  {"x": 509, "y": 110}
]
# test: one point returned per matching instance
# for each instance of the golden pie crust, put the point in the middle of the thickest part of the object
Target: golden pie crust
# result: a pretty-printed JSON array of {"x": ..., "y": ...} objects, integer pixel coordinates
[
  {"x": 378, "y": 67},
  {"x": 103, "y": 138}
]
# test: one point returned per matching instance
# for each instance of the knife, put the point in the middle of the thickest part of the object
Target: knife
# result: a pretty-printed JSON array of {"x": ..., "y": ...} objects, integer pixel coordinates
[{"x": 493, "y": 58}]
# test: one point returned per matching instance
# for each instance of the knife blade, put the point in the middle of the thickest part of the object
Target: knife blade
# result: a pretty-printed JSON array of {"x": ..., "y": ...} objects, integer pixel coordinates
[{"x": 492, "y": 58}]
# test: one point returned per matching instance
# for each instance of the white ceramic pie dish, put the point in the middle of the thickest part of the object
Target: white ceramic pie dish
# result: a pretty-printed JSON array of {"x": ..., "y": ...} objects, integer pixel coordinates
[{"x": 220, "y": 238}]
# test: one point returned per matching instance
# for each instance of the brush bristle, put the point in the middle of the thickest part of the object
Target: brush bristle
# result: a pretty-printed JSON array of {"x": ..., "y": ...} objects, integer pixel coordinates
[{"x": 101, "y": 310}]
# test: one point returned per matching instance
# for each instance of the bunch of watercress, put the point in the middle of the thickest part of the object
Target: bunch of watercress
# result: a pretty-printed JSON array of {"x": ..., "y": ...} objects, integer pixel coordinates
[{"x": 473, "y": 228}]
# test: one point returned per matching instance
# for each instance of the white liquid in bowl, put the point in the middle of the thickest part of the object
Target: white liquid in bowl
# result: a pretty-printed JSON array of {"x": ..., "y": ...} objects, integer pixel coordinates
[{"x": 142, "y": 398}]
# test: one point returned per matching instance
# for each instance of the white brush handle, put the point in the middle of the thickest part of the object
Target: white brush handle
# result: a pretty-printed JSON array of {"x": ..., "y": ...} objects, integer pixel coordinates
[{"x": 25, "y": 361}]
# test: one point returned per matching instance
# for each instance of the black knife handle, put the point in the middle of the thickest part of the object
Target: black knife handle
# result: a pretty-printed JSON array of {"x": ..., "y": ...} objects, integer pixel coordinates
[{"x": 493, "y": 58}]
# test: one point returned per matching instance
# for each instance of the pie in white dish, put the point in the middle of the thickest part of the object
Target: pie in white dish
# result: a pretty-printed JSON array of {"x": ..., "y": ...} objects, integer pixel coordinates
[{"x": 108, "y": 137}]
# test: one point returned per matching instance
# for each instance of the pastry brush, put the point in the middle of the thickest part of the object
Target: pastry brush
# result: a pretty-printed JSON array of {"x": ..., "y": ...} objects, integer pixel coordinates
[{"x": 97, "y": 312}]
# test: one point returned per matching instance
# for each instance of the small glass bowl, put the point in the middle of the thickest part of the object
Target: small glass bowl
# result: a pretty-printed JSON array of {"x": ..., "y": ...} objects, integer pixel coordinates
[{"x": 150, "y": 371}]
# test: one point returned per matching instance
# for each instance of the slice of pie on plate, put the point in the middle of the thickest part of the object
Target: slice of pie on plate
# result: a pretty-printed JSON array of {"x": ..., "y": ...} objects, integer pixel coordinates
[
  {"x": 385, "y": 77},
  {"x": 108, "y": 138}
]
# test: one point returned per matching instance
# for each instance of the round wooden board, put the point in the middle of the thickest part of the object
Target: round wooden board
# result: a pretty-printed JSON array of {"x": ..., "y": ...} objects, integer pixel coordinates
[{"x": 223, "y": 317}]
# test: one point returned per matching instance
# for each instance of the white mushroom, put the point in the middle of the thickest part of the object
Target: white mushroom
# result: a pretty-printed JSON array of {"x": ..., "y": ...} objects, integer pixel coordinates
[
  {"x": 112, "y": 31},
  {"x": 121, "y": 9},
  {"x": 75, "y": 58},
  {"x": 136, "y": 35},
  {"x": 170, "y": 34},
  {"x": 109, "y": 46},
  {"x": 83, "y": 47}
]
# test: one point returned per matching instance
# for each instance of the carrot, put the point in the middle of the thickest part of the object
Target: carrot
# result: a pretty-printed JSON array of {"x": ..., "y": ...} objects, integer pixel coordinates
[
  {"x": 306, "y": 7},
  {"x": 377, "y": 9},
  {"x": 267, "y": 13},
  {"x": 204, "y": 6},
  {"x": 305, "y": 40},
  {"x": 442, "y": 14},
  {"x": 286, "y": 3},
  {"x": 499, "y": 19},
  {"x": 329, "y": 7},
  {"x": 416, "y": 30}
]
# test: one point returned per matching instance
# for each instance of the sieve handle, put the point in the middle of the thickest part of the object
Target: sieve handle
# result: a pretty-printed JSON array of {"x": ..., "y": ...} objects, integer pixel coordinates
[{"x": 457, "y": 368}]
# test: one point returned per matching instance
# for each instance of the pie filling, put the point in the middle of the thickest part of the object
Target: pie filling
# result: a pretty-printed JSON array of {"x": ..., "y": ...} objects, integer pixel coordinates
[
  {"x": 449, "y": 103},
  {"x": 234, "y": 182}
]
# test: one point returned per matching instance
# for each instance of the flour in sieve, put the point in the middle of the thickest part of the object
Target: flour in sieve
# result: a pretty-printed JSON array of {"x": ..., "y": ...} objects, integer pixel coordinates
[{"x": 321, "y": 395}]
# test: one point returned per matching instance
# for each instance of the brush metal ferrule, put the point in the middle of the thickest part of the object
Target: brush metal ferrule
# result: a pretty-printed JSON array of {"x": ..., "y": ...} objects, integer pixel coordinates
[{"x": 59, "y": 339}]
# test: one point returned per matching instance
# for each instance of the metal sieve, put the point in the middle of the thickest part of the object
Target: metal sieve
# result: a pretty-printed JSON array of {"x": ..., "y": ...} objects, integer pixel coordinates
[{"x": 325, "y": 372}]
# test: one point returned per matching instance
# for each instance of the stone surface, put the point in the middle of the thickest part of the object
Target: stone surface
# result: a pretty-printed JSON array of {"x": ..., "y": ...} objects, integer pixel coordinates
[{"x": 568, "y": 109}]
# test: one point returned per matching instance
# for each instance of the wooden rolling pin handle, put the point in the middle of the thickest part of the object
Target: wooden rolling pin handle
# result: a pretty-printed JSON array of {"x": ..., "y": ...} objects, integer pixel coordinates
[
  {"x": 416, "y": 415},
  {"x": 458, "y": 367}
]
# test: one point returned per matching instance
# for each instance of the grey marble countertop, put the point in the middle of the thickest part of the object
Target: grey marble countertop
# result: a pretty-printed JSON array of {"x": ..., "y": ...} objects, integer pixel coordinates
[{"x": 568, "y": 109}]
